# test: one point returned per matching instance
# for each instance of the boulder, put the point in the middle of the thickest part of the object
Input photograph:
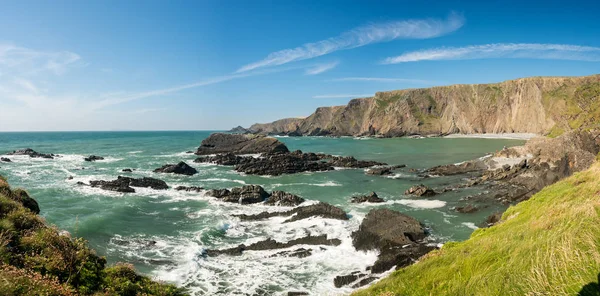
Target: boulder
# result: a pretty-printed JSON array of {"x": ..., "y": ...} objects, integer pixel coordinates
[
  {"x": 127, "y": 170},
  {"x": 124, "y": 184},
  {"x": 93, "y": 158},
  {"x": 420, "y": 190},
  {"x": 281, "y": 198},
  {"x": 371, "y": 197},
  {"x": 181, "y": 168},
  {"x": 31, "y": 153},
  {"x": 382, "y": 228},
  {"x": 240, "y": 144},
  {"x": 247, "y": 194},
  {"x": 4, "y": 159}
]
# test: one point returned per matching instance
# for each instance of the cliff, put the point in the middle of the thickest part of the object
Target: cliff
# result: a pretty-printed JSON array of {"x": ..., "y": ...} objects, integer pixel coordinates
[{"x": 540, "y": 105}]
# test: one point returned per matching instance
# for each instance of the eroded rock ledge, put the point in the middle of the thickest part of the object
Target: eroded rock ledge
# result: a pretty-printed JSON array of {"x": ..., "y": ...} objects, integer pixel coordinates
[
  {"x": 251, "y": 194},
  {"x": 32, "y": 153},
  {"x": 125, "y": 184}
]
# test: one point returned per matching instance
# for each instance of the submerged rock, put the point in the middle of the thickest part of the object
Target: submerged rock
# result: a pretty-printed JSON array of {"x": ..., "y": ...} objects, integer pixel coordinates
[
  {"x": 32, "y": 153},
  {"x": 371, "y": 197},
  {"x": 240, "y": 144},
  {"x": 190, "y": 188},
  {"x": 420, "y": 190},
  {"x": 127, "y": 170},
  {"x": 180, "y": 168},
  {"x": 271, "y": 244},
  {"x": 468, "y": 209},
  {"x": 322, "y": 210},
  {"x": 383, "y": 170},
  {"x": 93, "y": 158},
  {"x": 124, "y": 184},
  {"x": 351, "y": 162},
  {"x": 300, "y": 253},
  {"x": 4, "y": 159}
]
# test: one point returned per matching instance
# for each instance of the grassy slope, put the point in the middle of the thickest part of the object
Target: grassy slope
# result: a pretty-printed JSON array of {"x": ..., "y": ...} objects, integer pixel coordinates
[
  {"x": 548, "y": 245},
  {"x": 35, "y": 259}
]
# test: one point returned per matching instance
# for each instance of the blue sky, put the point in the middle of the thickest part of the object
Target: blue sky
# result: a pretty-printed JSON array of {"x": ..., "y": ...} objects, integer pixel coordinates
[{"x": 191, "y": 65}]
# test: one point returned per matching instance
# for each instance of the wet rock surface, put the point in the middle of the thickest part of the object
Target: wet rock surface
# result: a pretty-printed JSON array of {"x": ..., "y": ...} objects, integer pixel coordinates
[
  {"x": 371, "y": 197},
  {"x": 32, "y": 153},
  {"x": 282, "y": 198},
  {"x": 127, "y": 170},
  {"x": 468, "y": 209},
  {"x": 351, "y": 162},
  {"x": 300, "y": 253},
  {"x": 189, "y": 188},
  {"x": 383, "y": 170},
  {"x": 247, "y": 194},
  {"x": 420, "y": 190},
  {"x": 239, "y": 144},
  {"x": 93, "y": 158},
  {"x": 125, "y": 184},
  {"x": 323, "y": 210},
  {"x": 271, "y": 244},
  {"x": 180, "y": 168},
  {"x": 4, "y": 159}
]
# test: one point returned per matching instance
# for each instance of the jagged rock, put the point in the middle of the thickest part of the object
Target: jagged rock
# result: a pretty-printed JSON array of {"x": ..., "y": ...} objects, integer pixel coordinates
[
  {"x": 271, "y": 244},
  {"x": 5, "y": 159},
  {"x": 399, "y": 256},
  {"x": 455, "y": 169},
  {"x": 283, "y": 163},
  {"x": 23, "y": 197},
  {"x": 281, "y": 198},
  {"x": 224, "y": 159},
  {"x": 93, "y": 158},
  {"x": 300, "y": 253},
  {"x": 382, "y": 171},
  {"x": 344, "y": 280},
  {"x": 240, "y": 144},
  {"x": 384, "y": 227},
  {"x": 181, "y": 168},
  {"x": 31, "y": 153},
  {"x": 297, "y": 293},
  {"x": 239, "y": 130},
  {"x": 420, "y": 190},
  {"x": 127, "y": 170},
  {"x": 371, "y": 197},
  {"x": 124, "y": 184},
  {"x": 351, "y": 162},
  {"x": 247, "y": 194},
  {"x": 190, "y": 188},
  {"x": 467, "y": 209},
  {"x": 493, "y": 218},
  {"x": 323, "y": 210}
]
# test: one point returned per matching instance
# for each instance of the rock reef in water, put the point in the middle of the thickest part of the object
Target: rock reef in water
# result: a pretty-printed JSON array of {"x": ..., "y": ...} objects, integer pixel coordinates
[
  {"x": 251, "y": 194},
  {"x": 32, "y": 153},
  {"x": 323, "y": 210},
  {"x": 180, "y": 168},
  {"x": 239, "y": 144},
  {"x": 371, "y": 197},
  {"x": 125, "y": 184}
]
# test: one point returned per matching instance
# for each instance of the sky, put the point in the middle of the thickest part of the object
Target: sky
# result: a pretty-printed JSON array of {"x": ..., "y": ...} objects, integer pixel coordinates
[{"x": 212, "y": 65}]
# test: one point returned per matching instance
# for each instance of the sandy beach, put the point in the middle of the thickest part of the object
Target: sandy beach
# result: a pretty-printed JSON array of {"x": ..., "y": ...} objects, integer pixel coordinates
[{"x": 516, "y": 136}]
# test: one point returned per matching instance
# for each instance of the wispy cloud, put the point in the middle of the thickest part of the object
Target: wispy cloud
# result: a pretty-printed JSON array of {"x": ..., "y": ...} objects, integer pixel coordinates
[
  {"x": 361, "y": 36},
  {"x": 318, "y": 69},
  {"x": 17, "y": 60},
  {"x": 342, "y": 96},
  {"x": 382, "y": 79},
  {"x": 502, "y": 50}
]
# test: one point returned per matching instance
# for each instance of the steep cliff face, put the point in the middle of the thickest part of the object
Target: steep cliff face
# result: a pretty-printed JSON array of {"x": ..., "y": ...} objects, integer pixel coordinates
[{"x": 541, "y": 105}]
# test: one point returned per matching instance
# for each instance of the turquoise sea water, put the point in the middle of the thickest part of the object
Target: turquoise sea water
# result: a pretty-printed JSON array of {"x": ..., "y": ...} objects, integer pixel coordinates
[{"x": 163, "y": 233}]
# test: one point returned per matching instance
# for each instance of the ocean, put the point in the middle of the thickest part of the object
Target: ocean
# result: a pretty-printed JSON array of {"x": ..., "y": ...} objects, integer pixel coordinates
[{"x": 164, "y": 232}]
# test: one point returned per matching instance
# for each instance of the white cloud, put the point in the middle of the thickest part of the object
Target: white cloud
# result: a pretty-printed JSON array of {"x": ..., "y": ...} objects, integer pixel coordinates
[
  {"x": 381, "y": 79},
  {"x": 502, "y": 50},
  {"x": 361, "y": 36},
  {"x": 17, "y": 60},
  {"x": 318, "y": 69},
  {"x": 342, "y": 96}
]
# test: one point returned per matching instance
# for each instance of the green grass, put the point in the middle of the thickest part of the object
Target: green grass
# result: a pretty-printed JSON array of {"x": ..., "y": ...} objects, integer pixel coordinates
[
  {"x": 35, "y": 259},
  {"x": 548, "y": 245}
]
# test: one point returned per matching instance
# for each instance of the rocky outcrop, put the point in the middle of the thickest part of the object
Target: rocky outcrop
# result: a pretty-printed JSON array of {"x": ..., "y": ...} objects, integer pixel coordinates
[
  {"x": 239, "y": 144},
  {"x": 125, "y": 184},
  {"x": 23, "y": 197},
  {"x": 468, "y": 209},
  {"x": 189, "y": 188},
  {"x": 530, "y": 105},
  {"x": 4, "y": 159},
  {"x": 181, "y": 168},
  {"x": 420, "y": 190},
  {"x": 247, "y": 194},
  {"x": 383, "y": 170},
  {"x": 281, "y": 198},
  {"x": 239, "y": 130},
  {"x": 32, "y": 153},
  {"x": 93, "y": 158},
  {"x": 271, "y": 244},
  {"x": 322, "y": 210},
  {"x": 371, "y": 197},
  {"x": 397, "y": 237},
  {"x": 351, "y": 162}
]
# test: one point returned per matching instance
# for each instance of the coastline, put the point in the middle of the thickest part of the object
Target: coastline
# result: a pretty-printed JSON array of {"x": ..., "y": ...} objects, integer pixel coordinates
[{"x": 508, "y": 136}]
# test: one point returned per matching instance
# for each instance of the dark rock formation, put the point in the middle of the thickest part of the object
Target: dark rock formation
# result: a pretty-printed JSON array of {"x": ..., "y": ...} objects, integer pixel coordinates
[
  {"x": 239, "y": 130},
  {"x": 240, "y": 144},
  {"x": 455, "y": 169},
  {"x": 93, "y": 158},
  {"x": 224, "y": 159},
  {"x": 4, "y": 159},
  {"x": 323, "y": 210},
  {"x": 281, "y": 198},
  {"x": 351, "y": 162},
  {"x": 300, "y": 253},
  {"x": 283, "y": 163},
  {"x": 247, "y": 194},
  {"x": 371, "y": 197},
  {"x": 468, "y": 209},
  {"x": 127, "y": 170},
  {"x": 31, "y": 153},
  {"x": 124, "y": 184},
  {"x": 23, "y": 197},
  {"x": 271, "y": 244},
  {"x": 398, "y": 238},
  {"x": 297, "y": 293},
  {"x": 420, "y": 190},
  {"x": 383, "y": 170},
  {"x": 493, "y": 219},
  {"x": 181, "y": 168},
  {"x": 190, "y": 188}
]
